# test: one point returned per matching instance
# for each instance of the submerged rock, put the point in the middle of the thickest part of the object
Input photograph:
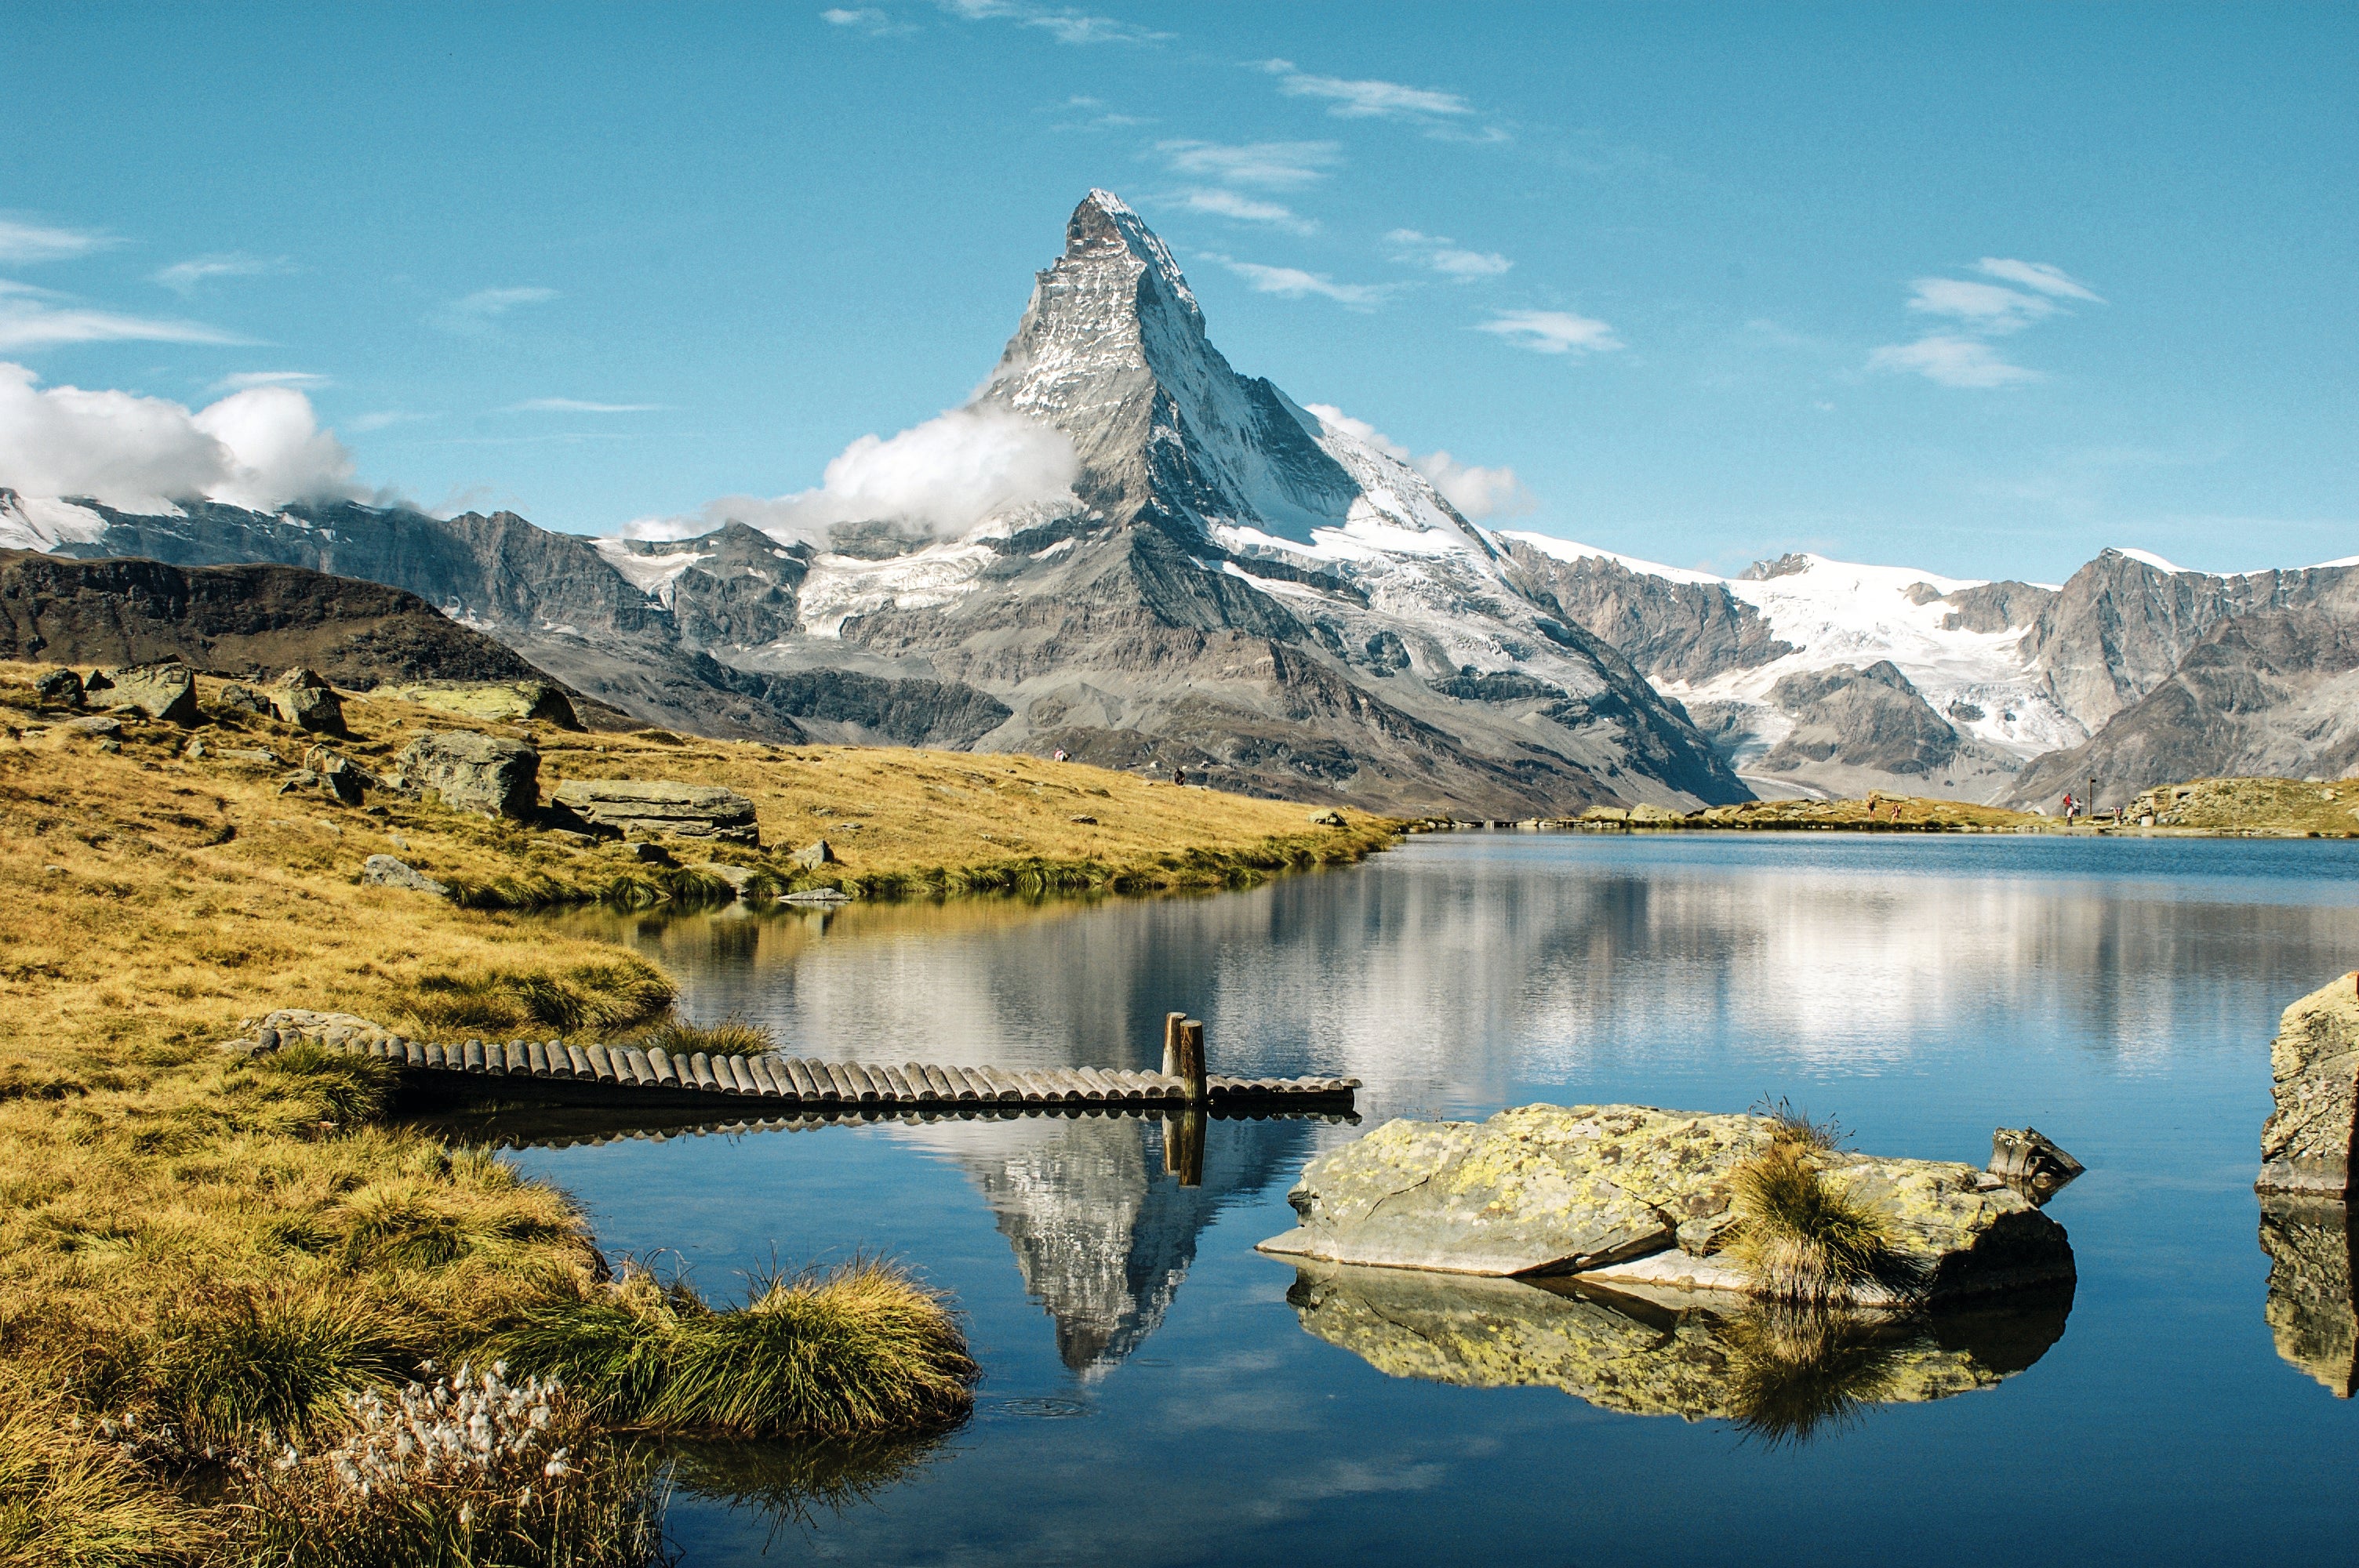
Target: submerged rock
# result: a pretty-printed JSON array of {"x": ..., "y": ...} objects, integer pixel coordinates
[
  {"x": 662, "y": 806},
  {"x": 1546, "y": 1189},
  {"x": 2313, "y": 1310},
  {"x": 2314, "y": 1065},
  {"x": 1781, "y": 1373}
]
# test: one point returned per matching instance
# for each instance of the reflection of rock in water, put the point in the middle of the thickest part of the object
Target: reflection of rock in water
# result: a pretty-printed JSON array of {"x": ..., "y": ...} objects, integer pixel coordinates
[
  {"x": 2311, "y": 1309},
  {"x": 1780, "y": 1375},
  {"x": 1102, "y": 1236}
]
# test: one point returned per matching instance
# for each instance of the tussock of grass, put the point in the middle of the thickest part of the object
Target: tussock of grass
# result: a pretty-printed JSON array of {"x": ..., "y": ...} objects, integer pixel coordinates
[
  {"x": 69, "y": 1501},
  {"x": 1800, "y": 1235},
  {"x": 255, "y": 1363},
  {"x": 860, "y": 1349},
  {"x": 735, "y": 1036},
  {"x": 598, "y": 997}
]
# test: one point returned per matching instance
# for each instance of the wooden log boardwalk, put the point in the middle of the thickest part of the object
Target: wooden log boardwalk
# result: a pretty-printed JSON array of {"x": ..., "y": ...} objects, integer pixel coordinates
[{"x": 560, "y": 1072}]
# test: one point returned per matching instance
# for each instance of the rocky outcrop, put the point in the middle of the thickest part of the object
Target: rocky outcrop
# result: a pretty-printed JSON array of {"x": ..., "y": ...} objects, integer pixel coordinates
[
  {"x": 662, "y": 806},
  {"x": 1671, "y": 631},
  {"x": 2273, "y": 695},
  {"x": 163, "y": 691},
  {"x": 2306, "y": 1144},
  {"x": 2313, "y": 1311},
  {"x": 1871, "y": 718},
  {"x": 1545, "y": 1190},
  {"x": 1695, "y": 1357},
  {"x": 474, "y": 773}
]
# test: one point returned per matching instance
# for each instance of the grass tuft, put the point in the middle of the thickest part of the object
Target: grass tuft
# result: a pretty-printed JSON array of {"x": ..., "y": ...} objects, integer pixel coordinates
[
  {"x": 69, "y": 1502},
  {"x": 859, "y": 1349},
  {"x": 735, "y": 1036},
  {"x": 1801, "y": 1237},
  {"x": 600, "y": 996},
  {"x": 247, "y": 1365}
]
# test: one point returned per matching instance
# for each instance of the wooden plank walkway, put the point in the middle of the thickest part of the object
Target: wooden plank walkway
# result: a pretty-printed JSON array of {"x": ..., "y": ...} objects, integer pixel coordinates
[{"x": 561, "y": 1071}]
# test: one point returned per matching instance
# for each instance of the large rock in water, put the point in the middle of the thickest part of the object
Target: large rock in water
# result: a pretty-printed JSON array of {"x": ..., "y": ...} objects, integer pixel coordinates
[
  {"x": 662, "y": 806},
  {"x": 1646, "y": 1193},
  {"x": 2314, "y": 1067},
  {"x": 1701, "y": 1357},
  {"x": 474, "y": 773}
]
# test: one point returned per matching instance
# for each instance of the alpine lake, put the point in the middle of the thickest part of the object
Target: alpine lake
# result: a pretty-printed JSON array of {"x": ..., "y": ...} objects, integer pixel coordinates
[{"x": 1156, "y": 1391}]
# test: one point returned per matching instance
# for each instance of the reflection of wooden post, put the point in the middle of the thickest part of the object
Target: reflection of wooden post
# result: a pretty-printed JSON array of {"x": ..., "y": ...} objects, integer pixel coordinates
[
  {"x": 1191, "y": 1060},
  {"x": 1171, "y": 1023},
  {"x": 1183, "y": 1146}
]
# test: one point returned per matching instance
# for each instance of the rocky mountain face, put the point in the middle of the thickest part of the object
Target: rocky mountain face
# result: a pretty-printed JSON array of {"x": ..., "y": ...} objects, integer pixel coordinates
[
  {"x": 1813, "y": 676},
  {"x": 239, "y": 620},
  {"x": 1236, "y": 586}
]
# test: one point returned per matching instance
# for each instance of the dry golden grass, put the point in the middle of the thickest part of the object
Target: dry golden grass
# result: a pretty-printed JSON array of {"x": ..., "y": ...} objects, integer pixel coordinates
[{"x": 215, "y": 1245}]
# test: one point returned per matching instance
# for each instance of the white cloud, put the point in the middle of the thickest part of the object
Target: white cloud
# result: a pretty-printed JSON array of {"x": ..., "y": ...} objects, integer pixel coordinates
[
  {"x": 1952, "y": 361},
  {"x": 2040, "y": 275},
  {"x": 942, "y": 477},
  {"x": 1984, "y": 306},
  {"x": 1272, "y": 165},
  {"x": 1477, "y": 492},
  {"x": 1438, "y": 252},
  {"x": 182, "y": 277},
  {"x": 868, "y": 19},
  {"x": 37, "y": 319},
  {"x": 1245, "y": 208},
  {"x": 381, "y": 419},
  {"x": 1551, "y": 331},
  {"x": 24, "y": 242},
  {"x": 1293, "y": 283},
  {"x": 474, "y": 314},
  {"x": 1063, "y": 23},
  {"x": 260, "y": 447},
  {"x": 250, "y": 378},
  {"x": 1366, "y": 100},
  {"x": 575, "y": 405}
]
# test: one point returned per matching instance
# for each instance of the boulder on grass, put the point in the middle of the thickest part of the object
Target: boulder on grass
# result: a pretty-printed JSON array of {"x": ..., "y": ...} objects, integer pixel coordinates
[
  {"x": 812, "y": 856},
  {"x": 662, "y": 806},
  {"x": 308, "y": 702},
  {"x": 2314, "y": 1065},
  {"x": 499, "y": 702},
  {"x": 60, "y": 687},
  {"x": 1627, "y": 1191},
  {"x": 474, "y": 773},
  {"x": 238, "y": 697},
  {"x": 385, "y": 872},
  {"x": 166, "y": 691}
]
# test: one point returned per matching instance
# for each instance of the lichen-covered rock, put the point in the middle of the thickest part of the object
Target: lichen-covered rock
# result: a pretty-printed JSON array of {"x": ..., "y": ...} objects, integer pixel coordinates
[
  {"x": 2312, "y": 1309},
  {"x": 474, "y": 773},
  {"x": 308, "y": 705},
  {"x": 501, "y": 702},
  {"x": 238, "y": 697},
  {"x": 662, "y": 806},
  {"x": 2314, "y": 1065},
  {"x": 1555, "y": 1190},
  {"x": 1706, "y": 1358},
  {"x": 166, "y": 691}
]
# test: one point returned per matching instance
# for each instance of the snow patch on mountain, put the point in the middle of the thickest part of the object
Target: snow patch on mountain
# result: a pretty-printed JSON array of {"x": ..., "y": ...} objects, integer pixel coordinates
[
  {"x": 840, "y": 586},
  {"x": 43, "y": 523}
]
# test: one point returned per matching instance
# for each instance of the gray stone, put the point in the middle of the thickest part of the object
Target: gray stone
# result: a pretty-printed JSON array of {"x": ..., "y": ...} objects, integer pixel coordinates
[
  {"x": 105, "y": 729},
  {"x": 1327, "y": 819},
  {"x": 96, "y": 681},
  {"x": 312, "y": 707},
  {"x": 474, "y": 773},
  {"x": 2314, "y": 1065},
  {"x": 2023, "y": 1154},
  {"x": 300, "y": 678},
  {"x": 60, "y": 686},
  {"x": 167, "y": 691},
  {"x": 1553, "y": 1190},
  {"x": 662, "y": 806},
  {"x": 384, "y": 870},
  {"x": 816, "y": 896},
  {"x": 237, "y": 697},
  {"x": 813, "y": 855}
]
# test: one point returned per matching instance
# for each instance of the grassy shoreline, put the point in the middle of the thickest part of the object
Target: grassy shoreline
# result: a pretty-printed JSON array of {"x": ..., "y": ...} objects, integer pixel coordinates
[{"x": 214, "y": 1254}]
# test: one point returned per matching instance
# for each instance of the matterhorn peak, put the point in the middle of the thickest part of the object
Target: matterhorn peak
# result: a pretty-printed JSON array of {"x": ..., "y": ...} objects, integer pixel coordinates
[{"x": 1104, "y": 220}]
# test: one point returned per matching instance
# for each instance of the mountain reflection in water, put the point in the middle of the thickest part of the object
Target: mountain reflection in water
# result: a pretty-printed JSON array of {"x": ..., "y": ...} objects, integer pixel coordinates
[
  {"x": 1781, "y": 1374},
  {"x": 1102, "y": 1236}
]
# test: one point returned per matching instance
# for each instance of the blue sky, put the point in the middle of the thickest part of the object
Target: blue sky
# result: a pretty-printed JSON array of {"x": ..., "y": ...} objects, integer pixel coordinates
[{"x": 1976, "y": 288}]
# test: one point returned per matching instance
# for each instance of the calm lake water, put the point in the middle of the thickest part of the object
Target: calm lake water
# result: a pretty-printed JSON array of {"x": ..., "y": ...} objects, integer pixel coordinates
[{"x": 1151, "y": 1396}]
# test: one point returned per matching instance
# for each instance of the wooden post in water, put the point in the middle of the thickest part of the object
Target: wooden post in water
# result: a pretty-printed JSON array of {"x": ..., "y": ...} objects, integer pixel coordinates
[
  {"x": 1184, "y": 1145},
  {"x": 1171, "y": 1023},
  {"x": 1191, "y": 1060}
]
